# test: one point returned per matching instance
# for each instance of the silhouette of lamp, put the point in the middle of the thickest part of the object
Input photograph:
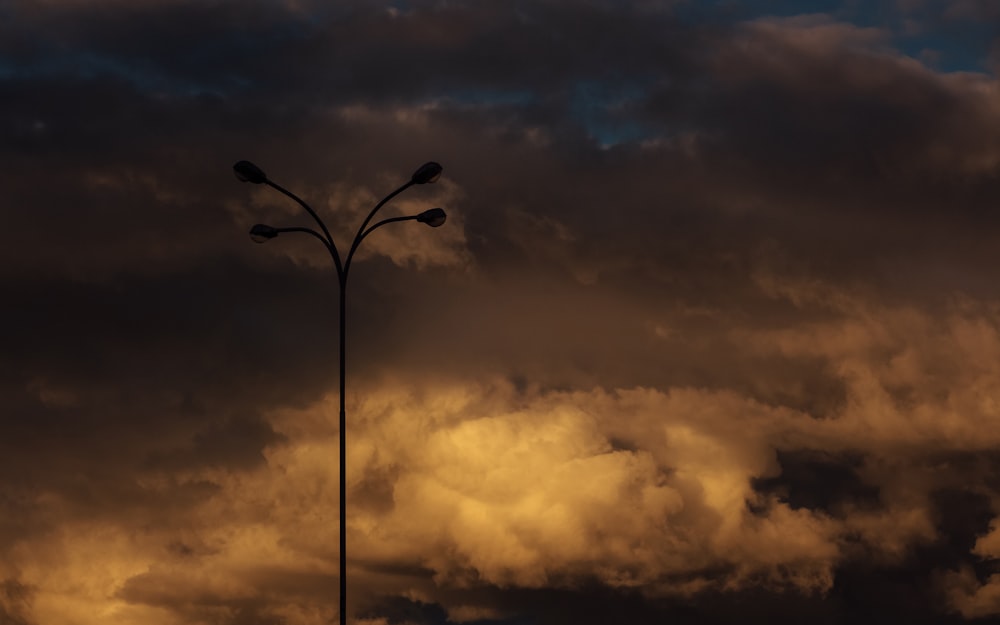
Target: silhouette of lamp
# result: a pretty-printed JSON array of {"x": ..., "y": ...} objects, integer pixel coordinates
[{"x": 261, "y": 233}]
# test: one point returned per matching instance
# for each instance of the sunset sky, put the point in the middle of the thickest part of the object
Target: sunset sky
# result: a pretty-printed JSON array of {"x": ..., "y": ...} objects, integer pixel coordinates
[{"x": 711, "y": 335}]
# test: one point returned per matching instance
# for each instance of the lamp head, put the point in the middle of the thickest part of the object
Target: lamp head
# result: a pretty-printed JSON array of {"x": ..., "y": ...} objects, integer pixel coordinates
[
  {"x": 262, "y": 233},
  {"x": 428, "y": 172},
  {"x": 434, "y": 217},
  {"x": 248, "y": 172}
]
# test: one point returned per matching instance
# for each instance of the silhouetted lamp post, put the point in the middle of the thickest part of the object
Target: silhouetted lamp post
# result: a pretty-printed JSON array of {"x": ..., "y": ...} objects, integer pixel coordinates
[{"x": 261, "y": 233}]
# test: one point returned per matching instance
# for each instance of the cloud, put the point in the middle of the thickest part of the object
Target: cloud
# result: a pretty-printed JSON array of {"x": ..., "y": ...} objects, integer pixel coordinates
[{"x": 711, "y": 328}]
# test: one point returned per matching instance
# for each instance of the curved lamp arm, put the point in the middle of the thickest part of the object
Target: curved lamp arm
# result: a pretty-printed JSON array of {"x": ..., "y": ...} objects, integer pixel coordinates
[
  {"x": 326, "y": 233},
  {"x": 361, "y": 237},
  {"x": 262, "y": 233},
  {"x": 427, "y": 173},
  {"x": 362, "y": 233},
  {"x": 434, "y": 217},
  {"x": 248, "y": 172}
]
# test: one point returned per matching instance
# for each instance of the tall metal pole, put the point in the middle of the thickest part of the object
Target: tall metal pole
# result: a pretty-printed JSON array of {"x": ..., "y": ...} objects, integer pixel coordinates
[{"x": 343, "y": 448}]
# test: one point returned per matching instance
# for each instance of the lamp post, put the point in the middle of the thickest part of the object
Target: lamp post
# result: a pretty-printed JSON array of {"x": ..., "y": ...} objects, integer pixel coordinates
[{"x": 261, "y": 233}]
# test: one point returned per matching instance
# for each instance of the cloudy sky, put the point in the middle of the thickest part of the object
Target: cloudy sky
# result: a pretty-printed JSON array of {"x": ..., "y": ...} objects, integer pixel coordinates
[{"x": 711, "y": 335}]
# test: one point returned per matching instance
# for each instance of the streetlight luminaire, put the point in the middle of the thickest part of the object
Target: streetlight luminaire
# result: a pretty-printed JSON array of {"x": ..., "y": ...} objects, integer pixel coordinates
[
  {"x": 248, "y": 172},
  {"x": 434, "y": 217},
  {"x": 262, "y": 233},
  {"x": 427, "y": 173}
]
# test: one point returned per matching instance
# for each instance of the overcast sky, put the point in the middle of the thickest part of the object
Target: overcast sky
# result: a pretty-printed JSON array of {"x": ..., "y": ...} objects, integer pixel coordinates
[{"x": 711, "y": 334}]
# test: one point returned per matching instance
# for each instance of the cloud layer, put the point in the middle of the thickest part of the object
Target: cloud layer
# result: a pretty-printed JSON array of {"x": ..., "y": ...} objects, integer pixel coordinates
[{"x": 712, "y": 333}]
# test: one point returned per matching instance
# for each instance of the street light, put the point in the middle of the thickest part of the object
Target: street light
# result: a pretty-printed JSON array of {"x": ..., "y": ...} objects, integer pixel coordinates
[{"x": 261, "y": 233}]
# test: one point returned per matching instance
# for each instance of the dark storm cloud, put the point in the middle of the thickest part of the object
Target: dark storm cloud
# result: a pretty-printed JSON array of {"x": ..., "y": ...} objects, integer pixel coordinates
[
  {"x": 710, "y": 333},
  {"x": 355, "y": 51}
]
